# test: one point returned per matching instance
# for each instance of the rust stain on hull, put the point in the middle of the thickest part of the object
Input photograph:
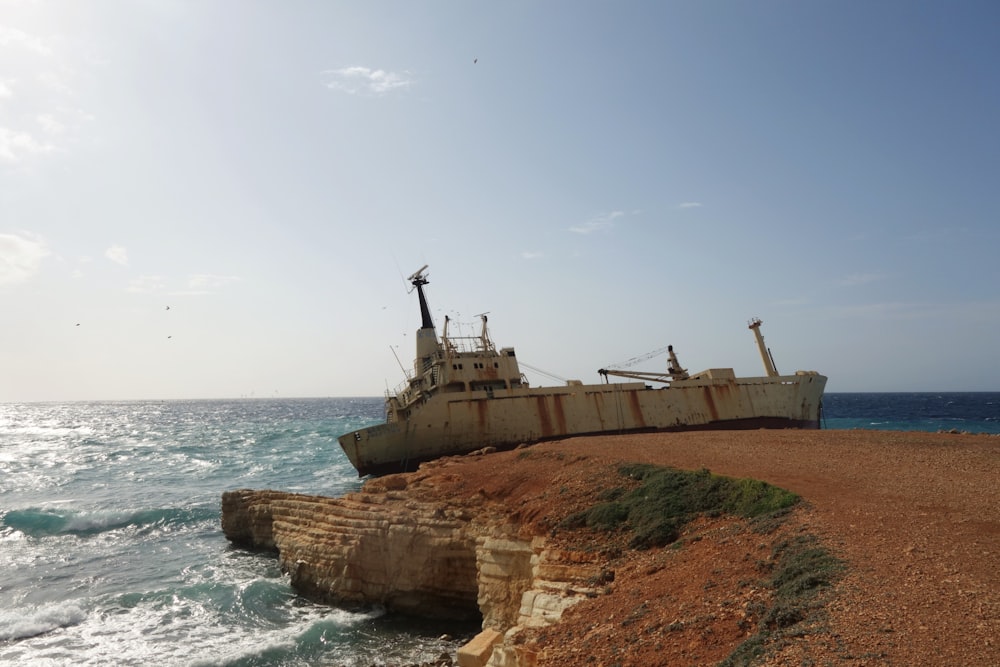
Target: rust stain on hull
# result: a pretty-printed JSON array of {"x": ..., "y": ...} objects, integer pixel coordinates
[
  {"x": 543, "y": 417},
  {"x": 636, "y": 408},
  {"x": 560, "y": 413}
]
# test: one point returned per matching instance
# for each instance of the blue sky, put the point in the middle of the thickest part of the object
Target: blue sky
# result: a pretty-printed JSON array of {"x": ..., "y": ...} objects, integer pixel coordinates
[{"x": 602, "y": 178}]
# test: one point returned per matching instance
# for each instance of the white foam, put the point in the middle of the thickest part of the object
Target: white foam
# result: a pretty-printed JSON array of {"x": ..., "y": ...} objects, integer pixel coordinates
[{"x": 18, "y": 624}]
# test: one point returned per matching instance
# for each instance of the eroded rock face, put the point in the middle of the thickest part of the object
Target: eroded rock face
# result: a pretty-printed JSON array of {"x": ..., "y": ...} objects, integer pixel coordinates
[
  {"x": 246, "y": 518},
  {"x": 390, "y": 545},
  {"x": 363, "y": 548}
]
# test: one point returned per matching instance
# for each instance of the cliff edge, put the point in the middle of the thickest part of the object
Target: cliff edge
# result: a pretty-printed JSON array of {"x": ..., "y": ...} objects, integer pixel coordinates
[{"x": 911, "y": 516}]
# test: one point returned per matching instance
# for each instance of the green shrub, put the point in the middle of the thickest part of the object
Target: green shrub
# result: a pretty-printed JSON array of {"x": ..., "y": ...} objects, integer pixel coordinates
[{"x": 667, "y": 498}]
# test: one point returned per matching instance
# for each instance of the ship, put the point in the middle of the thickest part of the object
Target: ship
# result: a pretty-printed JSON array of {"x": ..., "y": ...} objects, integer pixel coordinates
[{"x": 465, "y": 395}]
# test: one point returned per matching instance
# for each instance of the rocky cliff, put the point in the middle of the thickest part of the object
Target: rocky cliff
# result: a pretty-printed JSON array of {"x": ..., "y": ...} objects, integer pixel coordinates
[{"x": 421, "y": 543}]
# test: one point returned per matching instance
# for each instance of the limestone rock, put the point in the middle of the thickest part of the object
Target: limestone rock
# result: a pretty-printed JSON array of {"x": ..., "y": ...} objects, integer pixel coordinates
[{"x": 414, "y": 550}]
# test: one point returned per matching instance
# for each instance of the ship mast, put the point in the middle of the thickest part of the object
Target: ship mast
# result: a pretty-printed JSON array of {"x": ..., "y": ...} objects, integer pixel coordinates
[
  {"x": 427, "y": 344},
  {"x": 765, "y": 354}
]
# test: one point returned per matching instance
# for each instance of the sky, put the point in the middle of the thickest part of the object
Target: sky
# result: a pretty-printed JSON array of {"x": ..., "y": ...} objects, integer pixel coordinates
[{"x": 223, "y": 198}]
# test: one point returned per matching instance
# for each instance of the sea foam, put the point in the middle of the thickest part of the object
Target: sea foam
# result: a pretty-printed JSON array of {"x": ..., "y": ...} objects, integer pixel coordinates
[{"x": 19, "y": 624}]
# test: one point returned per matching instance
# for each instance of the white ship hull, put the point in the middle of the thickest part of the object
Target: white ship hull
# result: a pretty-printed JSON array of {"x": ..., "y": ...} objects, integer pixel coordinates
[{"x": 450, "y": 424}]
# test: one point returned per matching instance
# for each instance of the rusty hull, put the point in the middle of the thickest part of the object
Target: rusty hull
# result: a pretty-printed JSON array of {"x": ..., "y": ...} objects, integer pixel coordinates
[{"x": 461, "y": 422}]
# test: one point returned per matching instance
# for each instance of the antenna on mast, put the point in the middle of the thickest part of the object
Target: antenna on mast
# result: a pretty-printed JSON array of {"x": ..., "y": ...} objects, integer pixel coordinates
[{"x": 418, "y": 276}]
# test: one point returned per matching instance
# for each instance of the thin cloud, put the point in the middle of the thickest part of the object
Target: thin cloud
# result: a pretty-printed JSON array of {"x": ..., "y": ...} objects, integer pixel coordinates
[
  {"x": 601, "y": 223},
  {"x": 19, "y": 38},
  {"x": 20, "y": 258},
  {"x": 146, "y": 285},
  {"x": 530, "y": 255},
  {"x": 117, "y": 254},
  {"x": 689, "y": 204},
  {"x": 792, "y": 302},
  {"x": 964, "y": 311},
  {"x": 197, "y": 284},
  {"x": 15, "y": 144},
  {"x": 856, "y": 279},
  {"x": 206, "y": 281},
  {"x": 48, "y": 123},
  {"x": 364, "y": 80}
]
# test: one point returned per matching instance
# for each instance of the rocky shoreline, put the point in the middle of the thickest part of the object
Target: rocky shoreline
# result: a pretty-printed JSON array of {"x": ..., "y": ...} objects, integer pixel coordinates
[{"x": 913, "y": 516}]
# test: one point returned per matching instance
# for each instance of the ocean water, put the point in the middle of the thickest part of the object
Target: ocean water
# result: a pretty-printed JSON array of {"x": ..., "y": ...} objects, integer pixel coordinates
[
  {"x": 111, "y": 551},
  {"x": 971, "y": 412}
]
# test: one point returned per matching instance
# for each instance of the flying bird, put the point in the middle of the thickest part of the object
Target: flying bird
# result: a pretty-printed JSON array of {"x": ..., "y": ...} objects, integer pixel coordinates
[{"x": 475, "y": 60}]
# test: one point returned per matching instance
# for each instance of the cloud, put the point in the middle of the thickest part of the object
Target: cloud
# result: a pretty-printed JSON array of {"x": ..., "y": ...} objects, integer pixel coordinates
[
  {"x": 689, "y": 204},
  {"x": 197, "y": 284},
  {"x": 117, "y": 254},
  {"x": 49, "y": 123},
  {"x": 856, "y": 279},
  {"x": 37, "y": 116},
  {"x": 530, "y": 255},
  {"x": 792, "y": 302},
  {"x": 363, "y": 80},
  {"x": 19, "y": 38},
  {"x": 14, "y": 145},
  {"x": 601, "y": 223},
  {"x": 206, "y": 281},
  {"x": 146, "y": 284},
  {"x": 20, "y": 258}
]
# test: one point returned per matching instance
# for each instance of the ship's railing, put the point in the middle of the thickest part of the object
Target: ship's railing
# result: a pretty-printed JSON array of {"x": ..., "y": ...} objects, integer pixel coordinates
[
  {"x": 398, "y": 390},
  {"x": 402, "y": 391},
  {"x": 465, "y": 340}
]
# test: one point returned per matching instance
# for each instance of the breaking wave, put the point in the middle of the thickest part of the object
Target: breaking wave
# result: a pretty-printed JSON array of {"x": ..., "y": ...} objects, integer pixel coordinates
[
  {"x": 35, "y": 522},
  {"x": 18, "y": 624}
]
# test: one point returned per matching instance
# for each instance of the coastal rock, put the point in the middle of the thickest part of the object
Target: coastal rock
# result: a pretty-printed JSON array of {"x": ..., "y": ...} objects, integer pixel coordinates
[
  {"x": 247, "y": 519},
  {"x": 364, "y": 548},
  {"x": 412, "y": 544}
]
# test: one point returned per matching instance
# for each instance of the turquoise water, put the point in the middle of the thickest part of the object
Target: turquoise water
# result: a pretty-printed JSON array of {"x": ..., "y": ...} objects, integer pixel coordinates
[{"x": 111, "y": 551}]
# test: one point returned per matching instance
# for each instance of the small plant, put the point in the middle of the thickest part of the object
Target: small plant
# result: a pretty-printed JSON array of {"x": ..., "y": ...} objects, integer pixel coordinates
[
  {"x": 802, "y": 570},
  {"x": 803, "y": 567}
]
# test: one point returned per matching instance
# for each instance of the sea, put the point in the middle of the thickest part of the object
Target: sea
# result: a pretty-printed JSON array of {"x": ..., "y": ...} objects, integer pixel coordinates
[{"x": 111, "y": 550}]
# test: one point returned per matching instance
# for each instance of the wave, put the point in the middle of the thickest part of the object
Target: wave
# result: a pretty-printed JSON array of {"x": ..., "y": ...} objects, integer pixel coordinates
[
  {"x": 16, "y": 624},
  {"x": 36, "y": 522},
  {"x": 319, "y": 635}
]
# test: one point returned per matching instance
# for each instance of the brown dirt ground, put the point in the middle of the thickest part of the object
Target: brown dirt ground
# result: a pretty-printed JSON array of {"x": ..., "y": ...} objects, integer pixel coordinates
[{"x": 915, "y": 517}]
